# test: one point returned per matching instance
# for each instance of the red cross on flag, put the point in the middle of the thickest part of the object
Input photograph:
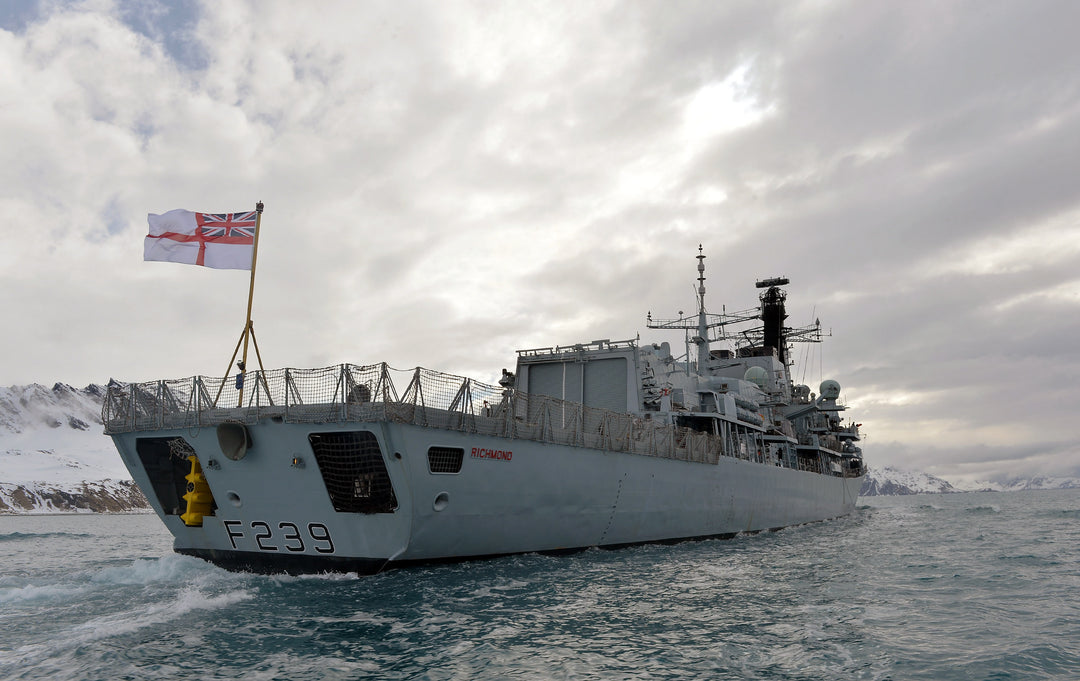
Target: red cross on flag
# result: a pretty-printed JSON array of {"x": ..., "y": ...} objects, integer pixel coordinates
[{"x": 224, "y": 241}]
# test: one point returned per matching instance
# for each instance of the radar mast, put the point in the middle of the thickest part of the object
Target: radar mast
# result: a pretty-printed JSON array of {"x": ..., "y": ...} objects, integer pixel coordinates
[{"x": 771, "y": 312}]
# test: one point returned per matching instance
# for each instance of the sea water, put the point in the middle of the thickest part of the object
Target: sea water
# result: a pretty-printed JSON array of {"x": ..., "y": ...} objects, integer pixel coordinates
[{"x": 965, "y": 586}]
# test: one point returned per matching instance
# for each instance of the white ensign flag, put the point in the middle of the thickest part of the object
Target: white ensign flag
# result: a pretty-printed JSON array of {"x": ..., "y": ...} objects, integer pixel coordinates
[{"x": 224, "y": 241}]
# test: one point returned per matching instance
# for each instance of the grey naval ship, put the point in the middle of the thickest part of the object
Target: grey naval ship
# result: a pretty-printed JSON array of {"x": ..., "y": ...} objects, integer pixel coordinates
[{"x": 600, "y": 444}]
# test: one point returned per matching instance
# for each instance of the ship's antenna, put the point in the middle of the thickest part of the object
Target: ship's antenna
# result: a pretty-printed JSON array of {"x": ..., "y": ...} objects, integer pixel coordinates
[
  {"x": 703, "y": 325},
  {"x": 685, "y": 322},
  {"x": 701, "y": 280},
  {"x": 807, "y": 359}
]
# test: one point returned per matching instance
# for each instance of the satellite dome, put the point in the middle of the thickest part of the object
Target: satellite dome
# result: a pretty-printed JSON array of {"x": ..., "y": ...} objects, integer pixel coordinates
[
  {"x": 756, "y": 375},
  {"x": 830, "y": 389}
]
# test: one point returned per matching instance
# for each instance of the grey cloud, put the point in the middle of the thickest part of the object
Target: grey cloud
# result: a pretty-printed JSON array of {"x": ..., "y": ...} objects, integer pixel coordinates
[{"x": 447, "y": 182}]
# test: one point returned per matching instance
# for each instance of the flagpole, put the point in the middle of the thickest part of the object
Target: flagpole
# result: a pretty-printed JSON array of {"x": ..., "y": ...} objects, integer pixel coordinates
[{"x": 251, "y": 295}]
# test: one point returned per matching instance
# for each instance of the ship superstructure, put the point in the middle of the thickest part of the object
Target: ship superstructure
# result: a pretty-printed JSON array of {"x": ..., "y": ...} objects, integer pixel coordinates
[
  {"x": 744, "y": 395},
  {"x": 604, "y": 443}
]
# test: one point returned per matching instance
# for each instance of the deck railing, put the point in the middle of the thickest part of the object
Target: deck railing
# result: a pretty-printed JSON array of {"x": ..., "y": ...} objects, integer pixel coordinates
[{"x": 348, "y": 392}]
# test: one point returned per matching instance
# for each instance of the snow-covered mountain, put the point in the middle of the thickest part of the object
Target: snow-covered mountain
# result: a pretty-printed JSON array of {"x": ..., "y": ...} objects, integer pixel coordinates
[
  {"x": 1041, "y": 482},
  {"x": 54, "y": 456},
  {"x": 886, "y": 480}
]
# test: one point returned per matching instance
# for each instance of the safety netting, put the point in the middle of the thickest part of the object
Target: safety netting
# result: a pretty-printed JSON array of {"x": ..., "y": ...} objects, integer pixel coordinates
[{"x": 353, "y": 393}]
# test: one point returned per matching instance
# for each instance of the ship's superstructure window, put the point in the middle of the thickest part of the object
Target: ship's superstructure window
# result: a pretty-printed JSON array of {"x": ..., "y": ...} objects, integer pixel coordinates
[
  {"x": 352, "y": 468},
  {"x": 445, "y": 459}
]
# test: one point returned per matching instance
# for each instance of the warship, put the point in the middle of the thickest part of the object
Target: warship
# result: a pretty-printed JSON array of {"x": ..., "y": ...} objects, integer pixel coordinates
[{"x": 595, "y": 444}]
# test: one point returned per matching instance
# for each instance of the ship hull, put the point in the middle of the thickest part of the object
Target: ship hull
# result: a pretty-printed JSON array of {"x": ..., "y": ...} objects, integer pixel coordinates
[{"x": 273, "y": 511}]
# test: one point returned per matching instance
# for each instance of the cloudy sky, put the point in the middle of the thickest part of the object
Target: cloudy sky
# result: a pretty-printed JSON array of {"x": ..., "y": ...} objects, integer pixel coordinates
[{"x": 447, "y": 182}]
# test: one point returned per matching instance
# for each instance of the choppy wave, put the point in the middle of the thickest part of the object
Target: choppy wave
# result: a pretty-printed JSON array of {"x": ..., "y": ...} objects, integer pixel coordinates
[
  {"x": 35, "y": 536},
  {"x": 123, "y": 623},
  {"x": 31, "y": 592},
  {"x": 187, "y": 600},
  {"x": 960, "y": 587},
  {"x": 168, "y": 568},
  {"x": 1062, "y": 514}
]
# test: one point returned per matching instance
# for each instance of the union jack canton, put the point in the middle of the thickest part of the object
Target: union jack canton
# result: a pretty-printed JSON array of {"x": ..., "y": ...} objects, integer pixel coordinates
[{"x": 233, "y": 228}]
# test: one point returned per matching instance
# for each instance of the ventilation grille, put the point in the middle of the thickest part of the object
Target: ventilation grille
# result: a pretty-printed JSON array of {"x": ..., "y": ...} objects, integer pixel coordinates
[
  {"x": 445, "y": 459},
  {"x": 353, "y": 471}
]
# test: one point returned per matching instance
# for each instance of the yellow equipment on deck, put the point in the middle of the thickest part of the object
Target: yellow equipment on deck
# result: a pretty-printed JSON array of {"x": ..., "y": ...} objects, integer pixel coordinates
[{"x": 198, "y": 497}]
